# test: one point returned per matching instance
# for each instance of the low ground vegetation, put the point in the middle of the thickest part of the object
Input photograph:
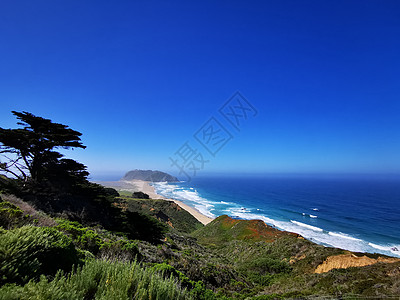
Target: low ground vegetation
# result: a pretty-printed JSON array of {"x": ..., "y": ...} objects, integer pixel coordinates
[{"x": 58, "y": 258}]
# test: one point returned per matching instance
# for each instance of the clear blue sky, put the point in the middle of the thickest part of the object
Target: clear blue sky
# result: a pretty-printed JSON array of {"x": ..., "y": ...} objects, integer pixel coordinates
[{"x": 139, "y": 78}]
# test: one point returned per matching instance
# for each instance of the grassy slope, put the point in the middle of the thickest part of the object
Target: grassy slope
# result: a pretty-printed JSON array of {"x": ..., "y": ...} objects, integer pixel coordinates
[
  {"x": 224, "y": 229},
  {"x": 167, "y": 212},
  {"x": 241, "y": 259},
  {"x": 98, "y": 279},
  {"x": 200, "y": 266}
]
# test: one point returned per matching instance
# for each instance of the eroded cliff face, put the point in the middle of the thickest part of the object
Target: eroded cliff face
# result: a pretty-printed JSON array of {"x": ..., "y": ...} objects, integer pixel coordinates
[{"x": 345, "y": 261}]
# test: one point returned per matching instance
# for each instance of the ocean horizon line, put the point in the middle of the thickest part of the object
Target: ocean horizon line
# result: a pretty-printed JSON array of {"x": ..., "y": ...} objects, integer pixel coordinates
[{"x": 116, "y": 176}]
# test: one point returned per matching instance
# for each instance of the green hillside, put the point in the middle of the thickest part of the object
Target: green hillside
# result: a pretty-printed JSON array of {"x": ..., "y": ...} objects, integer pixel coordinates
[
  {"x": 165, "y": 211},
  {"x": 224, "y": 229}
]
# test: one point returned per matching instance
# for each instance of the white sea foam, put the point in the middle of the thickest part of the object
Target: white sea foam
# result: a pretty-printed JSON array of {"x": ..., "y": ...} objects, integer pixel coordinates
[
  {"x": 307, "y": 226},
  {"x": 393, "y": 249},
  {"x": 312, "y": 216},
  {"x": 316, "y": 234},
  {"x": 187, "y": 196},
  {"x": 379, "y": 247},
  {"x": 344, "y": 236},
  {"x": 310, "y": 232}
]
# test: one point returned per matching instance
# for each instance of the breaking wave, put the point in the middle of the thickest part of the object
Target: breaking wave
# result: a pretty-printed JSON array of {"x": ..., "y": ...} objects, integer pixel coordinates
[{"x": 210, "y": 208}]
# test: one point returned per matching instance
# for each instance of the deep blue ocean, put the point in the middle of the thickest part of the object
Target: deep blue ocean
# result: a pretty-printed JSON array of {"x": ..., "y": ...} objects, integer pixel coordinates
[{"x": 357, "y": 213}]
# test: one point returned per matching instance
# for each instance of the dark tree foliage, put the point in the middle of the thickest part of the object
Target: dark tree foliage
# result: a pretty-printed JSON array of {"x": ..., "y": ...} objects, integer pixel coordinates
[
  {"x": 143, "y": 227},
  {"x": 55, "y": 184},
  {"x": 29, "y": 153},
  {"x": 111, "y": 192},
  {"x": 140, "y": 195}
]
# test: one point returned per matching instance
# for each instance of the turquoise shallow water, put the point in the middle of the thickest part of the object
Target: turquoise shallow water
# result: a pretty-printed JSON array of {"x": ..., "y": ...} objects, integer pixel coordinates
[{"x": 354, "y": 213}]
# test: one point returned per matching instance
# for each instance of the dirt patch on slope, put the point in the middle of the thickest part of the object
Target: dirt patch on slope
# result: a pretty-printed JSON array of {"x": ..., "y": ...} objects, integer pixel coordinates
[{"x": 345, "y": 261}]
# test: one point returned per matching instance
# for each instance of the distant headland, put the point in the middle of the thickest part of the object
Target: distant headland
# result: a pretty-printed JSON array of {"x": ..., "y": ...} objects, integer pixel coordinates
[{"x": 149, "y": 175}]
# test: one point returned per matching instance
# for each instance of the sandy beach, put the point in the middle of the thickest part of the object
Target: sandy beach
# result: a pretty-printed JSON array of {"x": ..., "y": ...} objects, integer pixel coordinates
[{"x": 145, "y": 187}]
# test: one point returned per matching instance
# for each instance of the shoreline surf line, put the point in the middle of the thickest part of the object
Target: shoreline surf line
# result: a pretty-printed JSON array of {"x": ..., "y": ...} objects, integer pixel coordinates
[{"x": 145, "y": 187}]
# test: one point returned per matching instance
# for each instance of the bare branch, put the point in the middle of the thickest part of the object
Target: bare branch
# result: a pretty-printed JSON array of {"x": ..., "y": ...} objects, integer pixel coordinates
[
  {"x": 11, "y": 172},
  {"x": 14, "y": 163}
]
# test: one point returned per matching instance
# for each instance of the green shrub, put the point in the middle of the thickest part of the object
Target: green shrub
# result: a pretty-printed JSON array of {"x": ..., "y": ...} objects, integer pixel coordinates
[
  {"x": 103, "y": 244},
  {"x": 262, "y": 270},
  {"x": 10, "y": 215},
  {"x": 269, "y": 297},
  {"x": 83, "y": 237},
  {"x": 120, "y": 249},
  {"x": 99, "y": 279},
  {"x": 85, "y": 255},
  {"x": 263, "y": 280},
  {"x": 267, "y": 265},
  {"x": 168, "y": 270},
  {"x": 197, "y": 289},
  {"x": 200, "y": 292},
  {"x": 27, "y": 252}
]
